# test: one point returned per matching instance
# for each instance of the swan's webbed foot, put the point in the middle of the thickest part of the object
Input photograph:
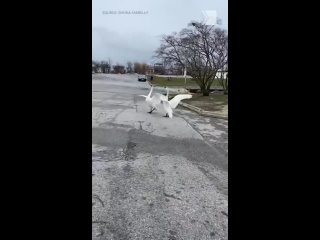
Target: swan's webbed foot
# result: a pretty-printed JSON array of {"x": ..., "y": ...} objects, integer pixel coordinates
[{"x": 166, "y": 115}]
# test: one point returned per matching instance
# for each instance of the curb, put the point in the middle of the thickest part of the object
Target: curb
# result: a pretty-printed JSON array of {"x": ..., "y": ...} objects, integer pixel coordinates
[{"x": 203, "y": 112}]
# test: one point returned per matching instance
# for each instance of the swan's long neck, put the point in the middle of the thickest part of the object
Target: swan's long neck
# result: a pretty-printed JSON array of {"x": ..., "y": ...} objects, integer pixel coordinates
[
  {"x": 167, "y": 92},
  {"x": 149, "y": 95}
]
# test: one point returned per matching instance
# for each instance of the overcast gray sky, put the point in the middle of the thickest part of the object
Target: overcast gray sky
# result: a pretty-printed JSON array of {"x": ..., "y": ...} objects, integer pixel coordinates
[{"x": 134, "y": 37}]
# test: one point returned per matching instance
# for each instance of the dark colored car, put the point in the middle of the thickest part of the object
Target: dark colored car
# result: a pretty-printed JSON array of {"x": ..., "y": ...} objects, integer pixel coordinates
[{"x": 142, "y": 78}]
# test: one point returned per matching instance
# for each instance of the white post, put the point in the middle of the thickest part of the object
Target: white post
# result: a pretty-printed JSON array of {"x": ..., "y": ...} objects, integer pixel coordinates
[{"x": 185, "y": 77}]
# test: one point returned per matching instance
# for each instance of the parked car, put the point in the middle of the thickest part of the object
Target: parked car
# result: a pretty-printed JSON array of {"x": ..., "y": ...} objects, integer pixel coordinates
[{"x": 142, "y": 78}]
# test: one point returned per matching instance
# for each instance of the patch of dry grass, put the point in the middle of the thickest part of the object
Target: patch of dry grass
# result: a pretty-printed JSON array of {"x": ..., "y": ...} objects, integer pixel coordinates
[{"x": 213, "y": 102}]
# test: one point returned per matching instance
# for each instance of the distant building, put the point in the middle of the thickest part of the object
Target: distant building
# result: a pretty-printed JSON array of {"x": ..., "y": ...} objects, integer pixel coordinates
[
  {"x": 174, "y": 69},
  {"x": 159, "y": 68},
  {"x": 222, "y": 73}
]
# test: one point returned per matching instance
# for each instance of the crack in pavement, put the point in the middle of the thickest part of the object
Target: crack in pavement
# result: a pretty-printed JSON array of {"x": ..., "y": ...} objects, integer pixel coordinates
[
  {"x": 95, "y": 196},
  {"x": 171, "y": 196}
]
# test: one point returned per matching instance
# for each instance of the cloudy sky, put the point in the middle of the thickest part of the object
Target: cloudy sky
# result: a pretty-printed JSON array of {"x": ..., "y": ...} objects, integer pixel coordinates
[{"x": 130, "y": 30}]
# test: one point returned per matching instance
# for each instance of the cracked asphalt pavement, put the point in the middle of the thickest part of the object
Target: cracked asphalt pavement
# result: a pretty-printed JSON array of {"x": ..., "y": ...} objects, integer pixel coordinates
[{"x": 155, "y": 177}]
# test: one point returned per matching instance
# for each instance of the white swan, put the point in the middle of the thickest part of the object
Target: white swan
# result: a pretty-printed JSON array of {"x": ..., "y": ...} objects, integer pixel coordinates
[
  {"x": 159, "y": 101},
  {"x": 154, "y": 100},
  {"x": 167, "y": 106}
]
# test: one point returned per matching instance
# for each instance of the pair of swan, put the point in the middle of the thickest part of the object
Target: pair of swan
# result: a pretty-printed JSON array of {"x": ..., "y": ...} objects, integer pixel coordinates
[{"x": 161, "y": 102}]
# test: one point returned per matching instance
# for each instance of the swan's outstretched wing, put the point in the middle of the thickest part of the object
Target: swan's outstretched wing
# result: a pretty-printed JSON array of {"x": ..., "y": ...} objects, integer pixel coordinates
[
  {"x": 167, "y": 108},
  {"x": 175, "y": 101}
]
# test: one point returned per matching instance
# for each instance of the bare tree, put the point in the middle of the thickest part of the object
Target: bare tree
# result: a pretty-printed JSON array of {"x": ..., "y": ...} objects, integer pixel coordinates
[
  {"x": 202, "y": 49},
  {"x": 94, "y": 66},
  {"x": 140, "y": 68},
  {"x": 144, "y": 68},
  {"x": 119, "y": 69},
  {"x": 105, "y": 67},
  {"x": 137, "y": 67}
]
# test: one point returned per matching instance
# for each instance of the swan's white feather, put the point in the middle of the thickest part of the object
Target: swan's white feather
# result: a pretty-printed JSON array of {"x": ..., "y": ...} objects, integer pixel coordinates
[
  {"x": 167, "y": 108},
  {"x": 176, "y": 100}
]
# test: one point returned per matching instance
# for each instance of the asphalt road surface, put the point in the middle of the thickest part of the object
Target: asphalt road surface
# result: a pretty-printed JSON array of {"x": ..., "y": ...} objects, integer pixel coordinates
[{"x": 155, "y": 177}]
